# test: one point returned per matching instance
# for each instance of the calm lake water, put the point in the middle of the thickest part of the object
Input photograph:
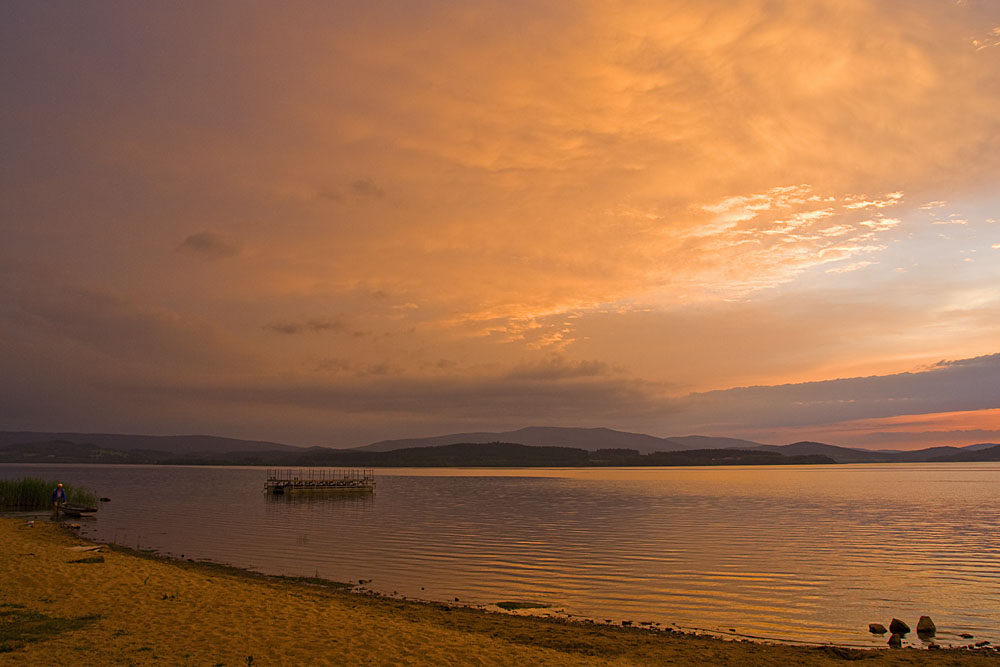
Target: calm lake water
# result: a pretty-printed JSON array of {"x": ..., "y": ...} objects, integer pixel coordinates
[{"x": 810, "y": 553}]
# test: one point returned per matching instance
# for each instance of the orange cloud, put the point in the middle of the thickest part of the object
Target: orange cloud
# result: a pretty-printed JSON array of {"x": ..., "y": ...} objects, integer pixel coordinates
[{"x": 699, "y": 194}]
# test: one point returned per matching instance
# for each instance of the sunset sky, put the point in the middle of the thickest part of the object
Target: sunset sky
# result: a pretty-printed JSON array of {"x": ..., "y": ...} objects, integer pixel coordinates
[{"x": 337, "y": 222}]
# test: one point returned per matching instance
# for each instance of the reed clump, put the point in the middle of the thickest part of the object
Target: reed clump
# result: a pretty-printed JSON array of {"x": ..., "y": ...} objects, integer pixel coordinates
[{"x": 31, "y": 493}]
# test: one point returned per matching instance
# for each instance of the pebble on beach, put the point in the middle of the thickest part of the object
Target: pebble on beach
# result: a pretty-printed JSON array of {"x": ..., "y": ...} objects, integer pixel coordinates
[
  {"x": 896, "y": 640},
  {"x": 925, "y": 626},
  {"x": 876, "y": 628},
  {"x": 898, "y": 627}
]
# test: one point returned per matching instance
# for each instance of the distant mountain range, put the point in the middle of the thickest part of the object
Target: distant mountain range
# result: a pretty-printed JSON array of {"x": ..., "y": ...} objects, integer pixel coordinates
[
  {"x": 592, "y": 439},
  {"x": 589, "y": 439},
  {"x": 523, "y": 447}
]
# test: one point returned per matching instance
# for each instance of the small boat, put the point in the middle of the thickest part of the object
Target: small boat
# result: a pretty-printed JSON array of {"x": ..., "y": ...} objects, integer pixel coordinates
[{"x": 77, "y": 510}]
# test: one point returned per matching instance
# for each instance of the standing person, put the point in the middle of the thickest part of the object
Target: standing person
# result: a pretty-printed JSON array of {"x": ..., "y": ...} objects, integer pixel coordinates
[{"x": 58, "y": 498}]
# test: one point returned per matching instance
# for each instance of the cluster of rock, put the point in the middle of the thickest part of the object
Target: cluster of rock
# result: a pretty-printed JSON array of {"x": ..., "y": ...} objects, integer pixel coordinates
[{"x": 925, "y": 630}]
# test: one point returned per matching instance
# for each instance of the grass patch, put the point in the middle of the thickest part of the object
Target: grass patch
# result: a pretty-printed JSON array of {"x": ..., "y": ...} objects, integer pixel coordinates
[
  {"x": 32, "y": 493},
  {"x": 20, "y": 626},
  {"x": 514, "y": 606}
]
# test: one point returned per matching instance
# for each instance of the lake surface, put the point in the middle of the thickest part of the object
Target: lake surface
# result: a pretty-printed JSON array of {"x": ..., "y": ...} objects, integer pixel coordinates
[{"x": 811, "y": 553}]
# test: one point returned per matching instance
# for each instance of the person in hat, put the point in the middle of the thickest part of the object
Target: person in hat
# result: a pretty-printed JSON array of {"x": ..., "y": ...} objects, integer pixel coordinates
[{"x": 58, "y": 498}]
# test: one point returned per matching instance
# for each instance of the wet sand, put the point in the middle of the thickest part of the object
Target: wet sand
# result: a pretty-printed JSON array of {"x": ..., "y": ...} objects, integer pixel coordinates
[{"x": 133, "y": 609}]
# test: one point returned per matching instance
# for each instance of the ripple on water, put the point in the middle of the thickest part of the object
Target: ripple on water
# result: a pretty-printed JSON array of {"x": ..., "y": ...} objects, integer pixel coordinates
[{"x": 808, "y": 553}]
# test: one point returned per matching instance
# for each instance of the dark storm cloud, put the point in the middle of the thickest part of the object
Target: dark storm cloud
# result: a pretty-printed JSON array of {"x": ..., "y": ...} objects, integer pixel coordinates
[
  {"x": 557, "y": 367},
  {"x": 334, "y": 365},
  {"x": 210, "y": 245},
  {"x": 367, "y": 188},
  {"x": 985, "y": 361},
  {"x": 313, "y": 325},
  {"x": 340, "y": 366},
  {"x": 948, "y": 386}
]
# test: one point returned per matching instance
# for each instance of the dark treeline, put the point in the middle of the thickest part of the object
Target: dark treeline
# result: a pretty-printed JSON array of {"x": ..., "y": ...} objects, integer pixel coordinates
[{"x": 495, "y": 454}]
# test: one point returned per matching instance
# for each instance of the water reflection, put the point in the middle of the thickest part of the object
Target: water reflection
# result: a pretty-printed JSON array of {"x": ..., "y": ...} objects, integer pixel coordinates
[
  {"x": 307, "y": 500},
  {"x": 336, "y": 497}
]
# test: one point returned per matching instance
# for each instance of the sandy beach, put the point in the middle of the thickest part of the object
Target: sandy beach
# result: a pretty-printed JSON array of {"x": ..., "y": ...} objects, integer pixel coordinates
[{"x": 63, "y": 601}]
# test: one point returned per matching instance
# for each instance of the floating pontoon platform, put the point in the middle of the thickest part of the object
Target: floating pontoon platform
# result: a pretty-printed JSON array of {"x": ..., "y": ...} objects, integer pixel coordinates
[{"x": 320, "y": 479}]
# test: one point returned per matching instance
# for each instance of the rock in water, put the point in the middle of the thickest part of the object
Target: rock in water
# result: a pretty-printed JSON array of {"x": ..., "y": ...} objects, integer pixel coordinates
[
  {"x": 876, "y": 628},
  {"x": 896, "y": 641},
  {"x": 925, "y": 626},
  {"x": 898, "y": 627}
]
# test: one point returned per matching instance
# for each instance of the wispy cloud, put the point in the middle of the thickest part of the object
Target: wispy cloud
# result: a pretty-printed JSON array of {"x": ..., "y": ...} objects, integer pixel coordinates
[
  {"x": 989, "y": 40},
  {"x": 856, "y": 202},
  {"x": 847, "y": 268},
  {"x": 880, "y": 224},
  {"x": 775, "y": 236}
]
